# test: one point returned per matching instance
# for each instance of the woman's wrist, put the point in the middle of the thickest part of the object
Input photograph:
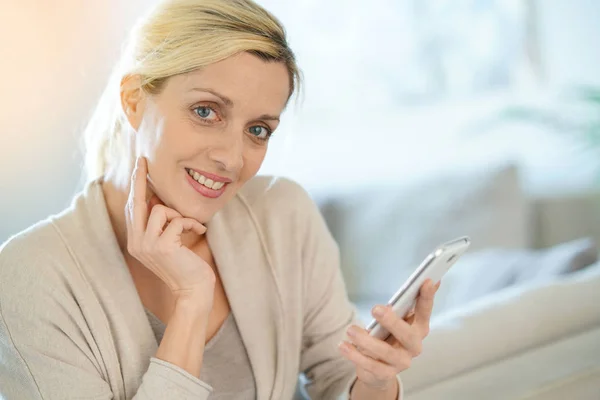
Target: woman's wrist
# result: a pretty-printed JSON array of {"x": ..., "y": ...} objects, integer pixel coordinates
[
  {"x": 194, "y": 304},
  {"x": 361, "y": 390},
  {"x": 185, "y": 335}
]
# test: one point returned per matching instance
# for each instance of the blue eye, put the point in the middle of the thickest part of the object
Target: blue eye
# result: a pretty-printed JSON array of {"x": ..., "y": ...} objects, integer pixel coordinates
[
  {"x": 260, "y": 132},
  {"x": 204, "y": 112}
]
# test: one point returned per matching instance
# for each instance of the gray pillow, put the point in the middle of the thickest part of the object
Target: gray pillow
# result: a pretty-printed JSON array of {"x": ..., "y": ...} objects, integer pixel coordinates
[
  {"x": 561, "y": 259},
  {"x": 384, "y": 232},
  {"x": 480, "y": 273}
]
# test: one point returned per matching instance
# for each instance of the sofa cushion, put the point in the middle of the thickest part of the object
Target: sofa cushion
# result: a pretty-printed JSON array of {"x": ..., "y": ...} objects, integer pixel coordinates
[
  {"x": 534, "y": 374},
  {"x": 506, "y": 324}
]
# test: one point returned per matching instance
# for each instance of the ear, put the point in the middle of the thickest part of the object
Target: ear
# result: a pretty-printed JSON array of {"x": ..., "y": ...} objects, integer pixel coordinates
[{"x": 133, "y": 100}]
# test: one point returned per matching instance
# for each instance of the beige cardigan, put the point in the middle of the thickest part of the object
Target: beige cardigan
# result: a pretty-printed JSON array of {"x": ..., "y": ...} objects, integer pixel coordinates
[{"x": 72, "y": 325}]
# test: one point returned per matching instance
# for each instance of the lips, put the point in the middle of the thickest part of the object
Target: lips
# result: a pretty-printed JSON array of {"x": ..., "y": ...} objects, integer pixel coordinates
[
  {"x": 200, "y": 184},
  {"x": 202, "y": 179}
]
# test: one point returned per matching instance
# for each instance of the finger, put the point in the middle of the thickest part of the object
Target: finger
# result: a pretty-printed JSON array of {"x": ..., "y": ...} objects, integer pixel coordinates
[
  {"x": 179, "y": 225},
  {"x": 159, "y": 216},
  {"x": 136, "y": 203},
  {"x": 424, "y": 307},
  {"x": 410, "y": 317},
  {"x": 377, "y": 368},
  {"x": 375, "y": 348},
  {"x": 198, "y": 228},
  {"x": 401, "y": 330}
]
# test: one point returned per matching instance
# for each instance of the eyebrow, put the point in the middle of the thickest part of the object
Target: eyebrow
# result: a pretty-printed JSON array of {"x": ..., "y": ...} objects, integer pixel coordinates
[
  {"x": 228, "y": 102},
  {"x": 225, "y": 99}
]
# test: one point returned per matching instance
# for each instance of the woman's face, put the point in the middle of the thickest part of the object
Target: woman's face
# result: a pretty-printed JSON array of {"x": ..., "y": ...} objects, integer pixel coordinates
[{"x": 206, "y": 133}]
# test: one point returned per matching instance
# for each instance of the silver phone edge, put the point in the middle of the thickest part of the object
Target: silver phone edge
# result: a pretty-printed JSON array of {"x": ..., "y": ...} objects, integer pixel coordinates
[{"x": 419, "y": 271}]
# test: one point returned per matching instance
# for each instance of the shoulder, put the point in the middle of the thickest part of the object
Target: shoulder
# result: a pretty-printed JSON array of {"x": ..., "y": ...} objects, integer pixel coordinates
[
  {"x": 277, "y": 197},
  {"x": 47, "y": 245},
  {"x": 33, "y": 262},
  {"x": 284, "y": 213},
  {"x": 30, "y": 246}
]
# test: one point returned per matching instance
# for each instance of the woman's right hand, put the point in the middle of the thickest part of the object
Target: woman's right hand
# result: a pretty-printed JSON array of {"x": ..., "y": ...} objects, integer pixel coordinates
[{"x": 154, "y": 238}]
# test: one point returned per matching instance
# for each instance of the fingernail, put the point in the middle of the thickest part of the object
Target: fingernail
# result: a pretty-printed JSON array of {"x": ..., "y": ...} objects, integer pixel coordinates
[
  {"x": 351, "y": 331},
  {"x": 343, "y": 346},
  {"x": 378, "y": 311}
]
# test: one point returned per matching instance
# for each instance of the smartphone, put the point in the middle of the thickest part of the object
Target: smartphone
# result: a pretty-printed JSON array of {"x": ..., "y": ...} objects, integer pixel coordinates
[{"x": 435, "y": 265}]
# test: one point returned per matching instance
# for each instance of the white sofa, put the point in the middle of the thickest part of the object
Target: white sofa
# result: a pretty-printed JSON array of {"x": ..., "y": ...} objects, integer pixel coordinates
[
  {"x": 517, "y": 338},
  {"x": 536, "y": 341}
]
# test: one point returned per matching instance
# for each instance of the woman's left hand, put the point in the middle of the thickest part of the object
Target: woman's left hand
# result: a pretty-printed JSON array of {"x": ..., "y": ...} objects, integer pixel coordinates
[{"x": 377, "y": 361}]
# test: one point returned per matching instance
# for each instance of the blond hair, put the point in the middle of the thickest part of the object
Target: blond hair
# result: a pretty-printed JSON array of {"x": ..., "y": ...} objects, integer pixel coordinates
[{"x": 176, "y": 37}]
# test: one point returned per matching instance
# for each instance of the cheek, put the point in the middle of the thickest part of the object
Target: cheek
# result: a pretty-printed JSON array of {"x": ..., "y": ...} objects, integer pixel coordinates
[
  {"x": 153, "y": 138},
  {"x": 252, "y": 162},
  {"x": 173, "y": 139}
]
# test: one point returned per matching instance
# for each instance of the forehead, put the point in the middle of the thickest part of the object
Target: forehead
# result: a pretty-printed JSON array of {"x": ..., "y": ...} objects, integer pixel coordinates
[{"x": 245, "y": 79}]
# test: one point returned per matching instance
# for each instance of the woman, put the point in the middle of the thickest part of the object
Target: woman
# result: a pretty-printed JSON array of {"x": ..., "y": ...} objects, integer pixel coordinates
[{"x": 176, "y": 273}]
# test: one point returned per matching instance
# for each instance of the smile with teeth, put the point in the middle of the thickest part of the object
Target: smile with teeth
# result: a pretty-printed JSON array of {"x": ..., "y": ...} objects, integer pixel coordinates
[{"x": 209, "y": 183}]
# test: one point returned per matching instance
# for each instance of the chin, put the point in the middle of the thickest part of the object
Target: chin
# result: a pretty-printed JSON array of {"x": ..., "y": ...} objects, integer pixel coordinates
[
  {"x": 200, "y": 214},
  {"x": 195, "y": 201},
  {"x": 203, "y": 217}
]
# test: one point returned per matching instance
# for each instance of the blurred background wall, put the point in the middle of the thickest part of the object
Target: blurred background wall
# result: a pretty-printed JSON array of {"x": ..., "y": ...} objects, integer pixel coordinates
[{"x": 374, "y": 109}]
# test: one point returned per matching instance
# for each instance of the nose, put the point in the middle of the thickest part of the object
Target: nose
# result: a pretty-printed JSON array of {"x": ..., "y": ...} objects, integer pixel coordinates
[{"x": 227, "y": 150}]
